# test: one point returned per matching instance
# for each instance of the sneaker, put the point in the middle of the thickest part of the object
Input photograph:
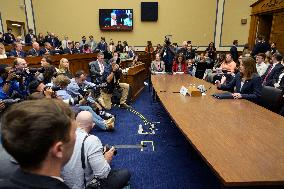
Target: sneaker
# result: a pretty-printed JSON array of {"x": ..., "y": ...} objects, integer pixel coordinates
[{"x": 111, "y": 120}]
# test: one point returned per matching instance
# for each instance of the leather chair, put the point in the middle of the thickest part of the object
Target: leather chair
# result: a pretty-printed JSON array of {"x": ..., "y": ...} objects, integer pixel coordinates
[{"x": 272, "y": 98}]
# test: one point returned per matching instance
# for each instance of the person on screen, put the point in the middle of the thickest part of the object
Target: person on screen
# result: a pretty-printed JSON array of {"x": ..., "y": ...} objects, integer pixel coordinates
[
  {"x": 113, "y": 21},
  {"x": 247, "y": 82},
  {"x": 128, "y": 21}
]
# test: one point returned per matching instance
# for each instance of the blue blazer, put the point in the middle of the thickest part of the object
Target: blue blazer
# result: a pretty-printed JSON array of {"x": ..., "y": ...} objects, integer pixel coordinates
[
  {"x": 21, "y": 54},
  {"x": 272, "y": 75},
  {"x": 251, "y": 89}
]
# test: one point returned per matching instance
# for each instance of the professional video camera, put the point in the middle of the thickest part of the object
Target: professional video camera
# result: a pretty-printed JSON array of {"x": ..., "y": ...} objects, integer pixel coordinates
[
  {"x": 10, "y": 101},
  {"x": 26, "y": 72}
]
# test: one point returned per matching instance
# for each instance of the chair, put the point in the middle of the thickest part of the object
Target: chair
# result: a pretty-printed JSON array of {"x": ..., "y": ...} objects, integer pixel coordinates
[{"x": 272, "y": 98}]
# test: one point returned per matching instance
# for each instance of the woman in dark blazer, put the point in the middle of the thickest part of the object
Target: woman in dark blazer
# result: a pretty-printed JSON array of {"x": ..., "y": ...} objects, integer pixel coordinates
[{"x": 246, "y": 84}]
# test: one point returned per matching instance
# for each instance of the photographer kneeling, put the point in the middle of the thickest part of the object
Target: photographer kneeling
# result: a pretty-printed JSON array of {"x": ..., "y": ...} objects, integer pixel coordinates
[
  {"x": 90, "y": 162},
  {"x": 115, "y": 92}
]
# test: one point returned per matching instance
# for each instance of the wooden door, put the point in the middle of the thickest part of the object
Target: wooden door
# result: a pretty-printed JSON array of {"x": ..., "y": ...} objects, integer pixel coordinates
[
  {"x": 277, "y": 31},
  {"x": 264, "y": 26}
]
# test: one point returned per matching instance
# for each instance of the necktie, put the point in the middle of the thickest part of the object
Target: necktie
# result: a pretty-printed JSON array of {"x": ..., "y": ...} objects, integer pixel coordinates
[{"x": 264, "y": 81}]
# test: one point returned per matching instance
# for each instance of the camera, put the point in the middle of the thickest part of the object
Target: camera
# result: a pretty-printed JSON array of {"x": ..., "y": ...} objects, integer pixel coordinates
[
  {"x": 72, "y": 101},
  {"x": 10, "y": 101},
  {"x": 108, "y": 147},
  {"x": 25, "y": 72}
]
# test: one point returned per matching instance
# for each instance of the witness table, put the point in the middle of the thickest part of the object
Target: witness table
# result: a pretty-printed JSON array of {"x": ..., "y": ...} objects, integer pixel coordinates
[{"x": 242, "y": 142}]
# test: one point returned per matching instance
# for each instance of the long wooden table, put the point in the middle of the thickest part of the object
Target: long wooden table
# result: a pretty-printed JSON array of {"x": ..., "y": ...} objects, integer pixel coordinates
[{"x": 242, "y": 142}]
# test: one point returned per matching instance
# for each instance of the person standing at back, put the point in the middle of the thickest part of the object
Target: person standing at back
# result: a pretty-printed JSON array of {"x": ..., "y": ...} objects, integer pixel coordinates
[{"x": 234, "y": 51}]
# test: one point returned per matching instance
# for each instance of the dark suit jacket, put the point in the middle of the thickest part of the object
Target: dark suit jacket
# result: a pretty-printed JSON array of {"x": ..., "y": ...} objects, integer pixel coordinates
[
  {"x": 260, "y": 47},
  {"x": 251, "y": 89},
  {"x": 234, "y": 53},
  {"x": 14, "y": 53},
  {"x": 23, "y": 180},
  {"x": 8, "y": 38},
  {"x": 43, "y": 51},
  {"x": 77, "y": 51},
  {"x": 95, "y": 71},
  {"x": 272, "y": 75},
  {"x": 68, "y": 51},
  {"x": 28, "y": 38},
  {"x": 33, "y": 52}
]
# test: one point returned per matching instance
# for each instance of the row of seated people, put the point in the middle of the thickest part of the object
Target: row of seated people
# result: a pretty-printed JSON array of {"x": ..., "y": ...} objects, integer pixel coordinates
[
  {"x": 244, "y": 81},
  {"x": 49, "y": 82}
]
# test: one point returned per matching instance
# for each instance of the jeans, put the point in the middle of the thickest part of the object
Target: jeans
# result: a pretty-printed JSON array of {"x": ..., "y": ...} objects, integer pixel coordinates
[{"x": 96, "y": 118}]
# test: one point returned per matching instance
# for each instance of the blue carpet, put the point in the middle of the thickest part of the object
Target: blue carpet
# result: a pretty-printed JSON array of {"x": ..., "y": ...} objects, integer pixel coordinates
[{"x": 173, "y": 164}]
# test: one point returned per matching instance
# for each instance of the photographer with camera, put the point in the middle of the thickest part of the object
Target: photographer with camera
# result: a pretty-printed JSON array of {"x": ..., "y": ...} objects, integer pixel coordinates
[
  {"x": 115, "y": 92},
  {"x": 168, "y": 55},
  {"x": 89, "y": 166}
]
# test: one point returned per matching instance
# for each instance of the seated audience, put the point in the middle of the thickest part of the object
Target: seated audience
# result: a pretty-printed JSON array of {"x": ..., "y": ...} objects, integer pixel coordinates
[
  {"x": 111, "y": 46},
  {"x": 18, "y": 51},
  {"x": 20, "y": 40},
  {"x": 47, "y": 50},
  {"x": 279, "y": 81},
  {"x": 261, "y": 67},
  {"x": 96, "y": 160},
  {"x": 40, "y": 39},
  {"x": 273, "y": 48},
  {"x": 53, "y": 40},
  {"x": 229, "y": 65},
  {"x": 69, "y": 48},
  {"x": 29, "y": 37},
  {"x": 63, "y": 68},
  {"x": 149, "y": 48},
  {"x": 211, "y": 49},
  {"x": 131, "y": 52},
  {"x": 261, "y": 46},
  {"x": 211, "y": 77},
  {"x": 8, "y": 37},
  {"x": 190, "y": 52},
  {"x": 119, "y": 47},
  {"x": 35, "y": 50},
  {"x": 102, "y": 45},
  {"x": 125, "y": 47},
  {"x": 77, "y": 49},
  {"x": 40, "y": 161},
  {"x": 157, "y": 65},
  {"x": 179, "y": 64},
  {"x": 2, "y": 51},
  {"x": 273, "y": 70},
  {"x": 86, "y": 49},
  {"x": 246, "y": 84},
  {"x": 49, "y": 70},
  {"x": 183, "y": 49},
  {"x": 246, "y": 50}
]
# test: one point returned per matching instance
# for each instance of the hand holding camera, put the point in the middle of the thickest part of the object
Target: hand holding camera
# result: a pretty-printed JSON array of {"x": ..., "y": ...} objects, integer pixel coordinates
[{"x": 109, "y": 152}]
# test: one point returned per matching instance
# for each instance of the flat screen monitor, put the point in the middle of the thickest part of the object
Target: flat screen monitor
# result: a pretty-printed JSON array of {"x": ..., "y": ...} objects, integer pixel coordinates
[{"x": 116, "y": 19}]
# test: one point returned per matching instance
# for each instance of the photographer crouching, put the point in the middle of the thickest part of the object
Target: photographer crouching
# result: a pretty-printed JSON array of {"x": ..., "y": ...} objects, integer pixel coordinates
[{"x": 115, "y": 92}]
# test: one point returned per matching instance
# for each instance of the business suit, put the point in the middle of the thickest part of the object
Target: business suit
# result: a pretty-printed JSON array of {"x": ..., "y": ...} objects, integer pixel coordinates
[
  {"x": 20, "y": 54},
  {"x": 33, "y": 52},
  {"x": 260, "y": 47},
  {"x": 270, "y": 76},
  {"x": 234, "y": 53},
  {"x": 77, "y": 51},
  {"x": 8, "y": 38},
  {"x": 28, "y": 38},
  {"x": 251, "y": 89},
  {"x": 96, "y": 72},
  {"x": 43, "y": 51},
  {"x": 68, "y": 51}
]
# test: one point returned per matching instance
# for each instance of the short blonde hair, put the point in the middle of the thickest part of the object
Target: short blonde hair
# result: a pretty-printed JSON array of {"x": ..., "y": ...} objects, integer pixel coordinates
[{"x": 61, "y": 80}]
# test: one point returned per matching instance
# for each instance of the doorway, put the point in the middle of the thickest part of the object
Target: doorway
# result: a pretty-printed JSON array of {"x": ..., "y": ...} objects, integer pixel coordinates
[
  {"x": 18, "y": 28},
  {"x": 264, "y": 26}
]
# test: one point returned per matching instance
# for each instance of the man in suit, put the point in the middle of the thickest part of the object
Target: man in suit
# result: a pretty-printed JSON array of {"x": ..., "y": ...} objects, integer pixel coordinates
[
  {"x": 18, "y": 51},
  {"x": 29, "y": 37},
  {"x": 97, "y": 68},
  {"x": 69, "y": 49},
  {"x": 102, "y": 45},
  {"x": 8, "y": 37},
  {"x": 35, "y": 50},
  {"x": 77, "y": 49},
  {"x": 40, "y": 161},
  {"x": 47, "y": 50},
  {"x": 234, "y": 51},
  {"x": 273, "y": 70},
  {"x": 261, "y": 46}
]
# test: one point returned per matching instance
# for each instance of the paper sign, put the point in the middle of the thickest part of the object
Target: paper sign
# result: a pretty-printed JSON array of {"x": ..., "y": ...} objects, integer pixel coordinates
[{"x": 183, "y": 90}]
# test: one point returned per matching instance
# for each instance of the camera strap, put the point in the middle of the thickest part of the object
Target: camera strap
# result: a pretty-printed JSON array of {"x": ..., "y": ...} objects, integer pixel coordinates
[{"x": 83, "y": 159}]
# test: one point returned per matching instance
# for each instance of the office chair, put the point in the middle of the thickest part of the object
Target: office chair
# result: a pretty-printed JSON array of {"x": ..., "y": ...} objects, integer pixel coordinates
[{"x": 272, "y": 98}]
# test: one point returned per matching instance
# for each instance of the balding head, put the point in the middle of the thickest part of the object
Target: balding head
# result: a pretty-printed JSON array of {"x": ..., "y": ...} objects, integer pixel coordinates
[
  {"x": 85, "y": 120},
  {"x": 184, "y": 44},
  {"x": 35, "y": 46}
]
